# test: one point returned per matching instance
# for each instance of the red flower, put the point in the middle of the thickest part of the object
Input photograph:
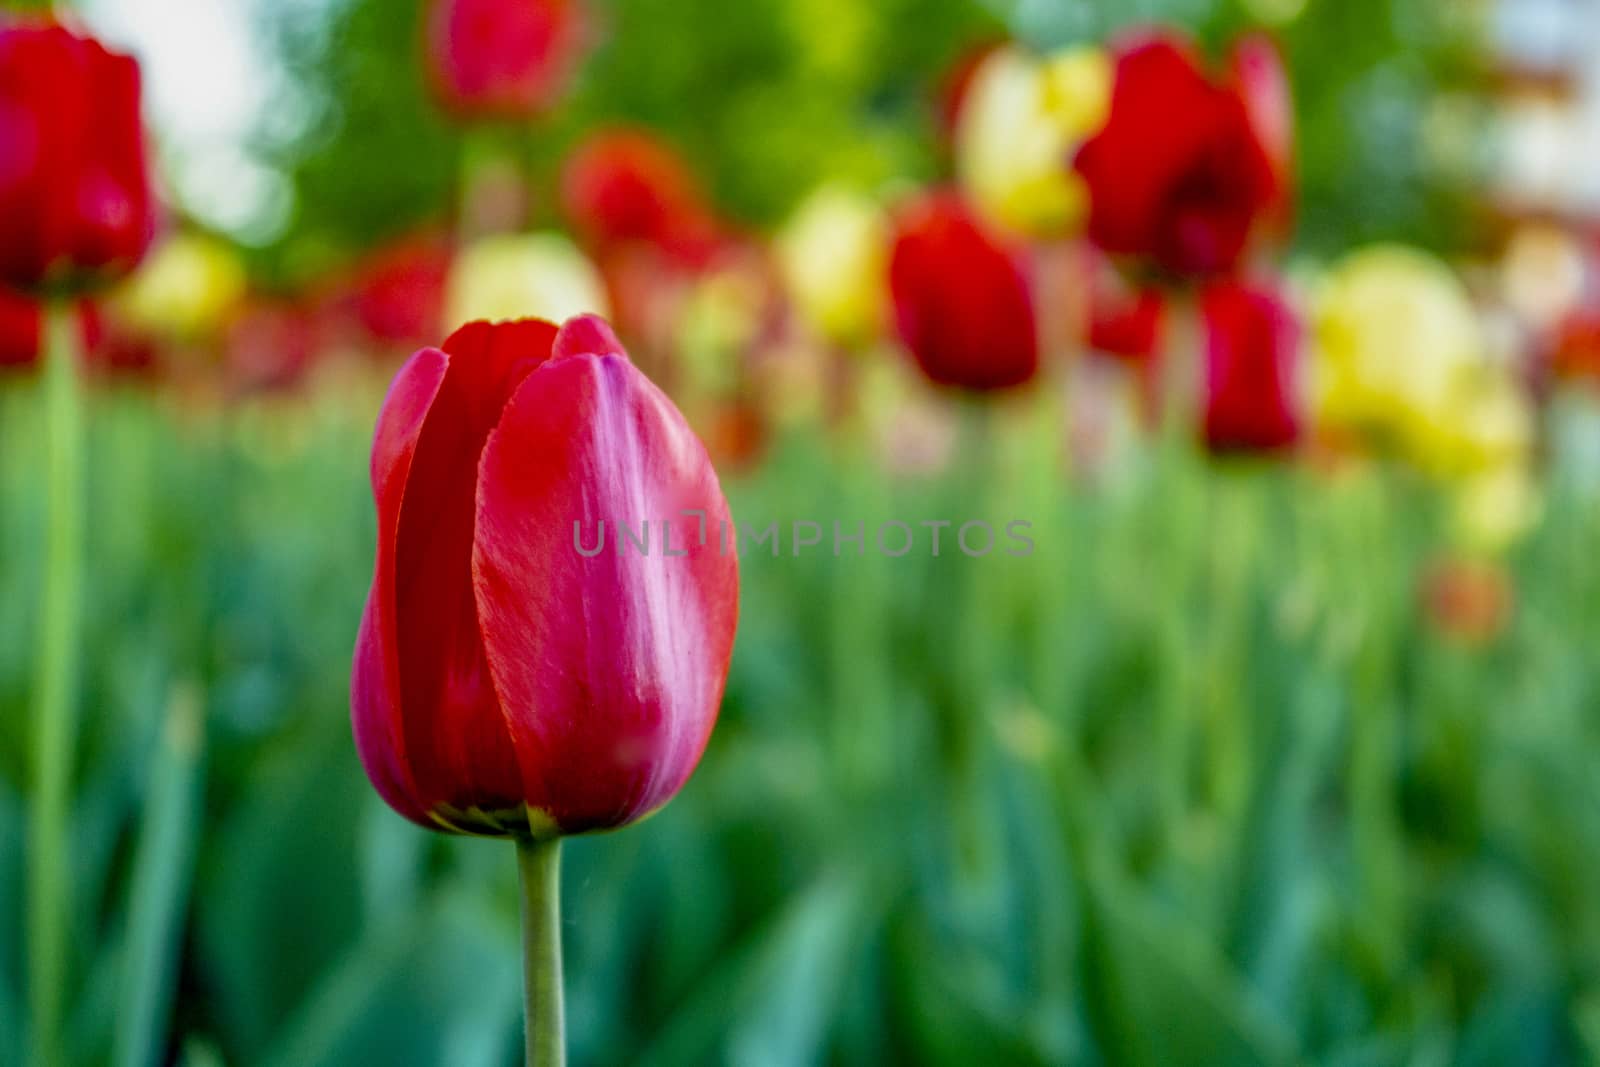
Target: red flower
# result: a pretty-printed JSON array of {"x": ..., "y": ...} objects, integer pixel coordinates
[
  {"x": 398, "y": 296},
  {"x": 74, "y": 192},
  {"x": 270, "y": 344},
  {"x": 509, "y": 679},
  {"x": 1252, "y": 341},
  {"x": 1179, "y": 175},
  {"x": 625, "y": 187},
  {"x": 20, "y": 325},
  {"x": 502, "y": 58},
  {"x": 1126, "y": 323},
  {"x": 961, "y": 297}
]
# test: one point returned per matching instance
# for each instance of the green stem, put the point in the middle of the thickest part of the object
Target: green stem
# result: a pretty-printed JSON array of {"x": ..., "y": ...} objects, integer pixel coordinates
[
  {"x": 539, "y": 871},
  {"x": 55, "y": 718}
]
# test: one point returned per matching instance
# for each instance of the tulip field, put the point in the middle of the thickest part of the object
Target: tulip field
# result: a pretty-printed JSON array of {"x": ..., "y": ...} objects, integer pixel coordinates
[{"x": 799, "y": 533}]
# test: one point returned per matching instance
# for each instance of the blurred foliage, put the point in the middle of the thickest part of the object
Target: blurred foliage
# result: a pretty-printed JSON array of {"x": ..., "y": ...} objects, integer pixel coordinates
[
  {"x": 1197, "y": 783},
  {"x": 770, "y": 97}
]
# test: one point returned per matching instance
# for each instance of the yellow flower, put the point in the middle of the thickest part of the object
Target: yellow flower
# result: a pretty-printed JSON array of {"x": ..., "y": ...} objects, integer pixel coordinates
[
  {"x": 186, "y": 288},
  {"x": 1399, "y": 352},
  {"x": 1021, "y": 120},
  {"x": 514, "y": 276},
  {"x": 833, "y": 255}
]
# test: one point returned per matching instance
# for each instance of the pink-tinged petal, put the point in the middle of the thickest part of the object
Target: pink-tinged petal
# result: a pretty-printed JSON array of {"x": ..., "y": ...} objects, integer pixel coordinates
[
  {"x": 1257, "y": 74},
  {"x": 455, "y": 736},
  {"x": 586, "y": 335},
  {"x": 611, "y": 666},
  {"x": 375, "y": 677}
]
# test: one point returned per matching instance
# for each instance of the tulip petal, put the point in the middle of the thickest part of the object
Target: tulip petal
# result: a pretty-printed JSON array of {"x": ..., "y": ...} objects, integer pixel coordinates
[
  {"x": 610, "y": 666},
  {"x": 375, "y": 676},
  {"x": 586, "y": 335},
  {"x": 455, "y": 736}
]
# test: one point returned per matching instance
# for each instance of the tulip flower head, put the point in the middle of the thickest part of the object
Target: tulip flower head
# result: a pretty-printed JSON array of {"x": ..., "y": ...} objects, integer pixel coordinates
[
  {"x": 505, "y": 682},
  {"x": 962, "y": 298},
  {"x": 503, "y": 59},
  {"x": 187, "y": 289},
  {"x": 20, "y": 326},
  {"x": 510, "y": 276},
  {"x": 75, "y": 200},
  {"x": 1251, "y": 348},
  {"x": 1179, "y": 176},
  {"x": 832, "y": 255},
  {"x": 1020, "y": 118},
  {"x": 627, "y": 187}
]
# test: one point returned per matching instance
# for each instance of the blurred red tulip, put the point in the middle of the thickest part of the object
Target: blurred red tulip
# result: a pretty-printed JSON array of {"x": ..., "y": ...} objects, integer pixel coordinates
[
  {"x": 399, "y": 291},
  {"x": 1126, "y": 323},
  {"x": 1252, "y": 343},
  {"x": 1179, "y": 175},
  {"x": 20, "y": 325},
  {"x": 75, "y": 201},
  {"x": 961, "y": 296},
  {"x": 1257, "y": 74},
  {"x": 505, "y": 59},
  {"x": 626, "y": 187},
  {"x": 508, "y": 679},
  {"x": 270, "y": 344},
  {"x": 1575, "y": 347},
  {"x": 115, "y": 349}
]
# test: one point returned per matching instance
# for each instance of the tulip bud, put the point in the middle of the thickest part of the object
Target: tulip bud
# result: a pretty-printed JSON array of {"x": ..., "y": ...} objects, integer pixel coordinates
[
  {"x": 961, "y": 297},
  {"x": 627, "y": 187},
  {"x": 1178, "y": 176},
  {"x": 1020, "y": 121},
  {"x": 1252, "y": 345},
  {"x": 515, "y": 276},
  {"x": 832, "y": 255},
  {"x": 512, "y": 676},
  {"x": 186, "y": 289},
  {"x": 75, "y": 202},
  {"x": 21, "y": 322},
  {"x": 502, "y": 58},
  {"x": 1400, "y": 354}
]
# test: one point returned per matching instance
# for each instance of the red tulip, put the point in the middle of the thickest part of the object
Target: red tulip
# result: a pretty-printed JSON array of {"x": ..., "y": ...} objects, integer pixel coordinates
[
  {"x": 961, "y": 297},
  {"x": 20, "y": 326},
  {"x": 1252, "y": 341},
  {"x": 505, "y": 682},
  {"x": 1127, "y": 324},
  {"x": 503, "y": 58},
  {"x": 1179, "y": 175},
  {"x": 626, "y": 187},
  {"x": 398, "y": 296},
  {"x": 74, "y": 192}
]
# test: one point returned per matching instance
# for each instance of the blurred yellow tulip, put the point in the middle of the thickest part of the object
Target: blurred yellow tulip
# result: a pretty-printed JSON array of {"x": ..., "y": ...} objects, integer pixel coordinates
[
  {"x": 1018, "y": 126},
  {"x": 833, "y": 254},
  {"x": 186, "y": 288},
  {"x": 1399, "y": 352},
  {"x": 514, "y": 276}
]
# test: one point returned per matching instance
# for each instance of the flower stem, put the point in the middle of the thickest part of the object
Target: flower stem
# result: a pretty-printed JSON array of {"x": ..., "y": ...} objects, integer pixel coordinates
[
  {"x": 55, "y": 718},
  {"x": 539, "y": 871}
]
